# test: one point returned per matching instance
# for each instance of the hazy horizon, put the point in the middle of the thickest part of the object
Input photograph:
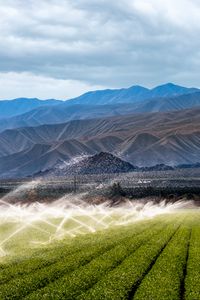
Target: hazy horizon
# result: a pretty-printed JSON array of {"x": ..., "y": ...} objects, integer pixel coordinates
[{"x": 99, "y": 89}]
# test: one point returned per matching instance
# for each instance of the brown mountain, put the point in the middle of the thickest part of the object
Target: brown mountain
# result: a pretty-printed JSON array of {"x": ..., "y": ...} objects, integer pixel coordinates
[{"x": 170, "y": 138}]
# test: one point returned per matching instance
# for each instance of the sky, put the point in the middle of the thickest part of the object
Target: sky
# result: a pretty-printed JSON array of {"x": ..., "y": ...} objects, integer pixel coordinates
[{"x": 62, "y": 48}]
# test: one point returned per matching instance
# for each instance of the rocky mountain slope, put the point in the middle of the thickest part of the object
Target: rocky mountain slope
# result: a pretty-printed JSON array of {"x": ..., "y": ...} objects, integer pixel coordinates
[
  {"x": 101, "y": 163},
  {"x": 169, "y": 138}
]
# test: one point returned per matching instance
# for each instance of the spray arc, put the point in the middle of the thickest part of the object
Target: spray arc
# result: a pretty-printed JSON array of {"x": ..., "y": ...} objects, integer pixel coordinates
[{"x": 42, "y": 223}]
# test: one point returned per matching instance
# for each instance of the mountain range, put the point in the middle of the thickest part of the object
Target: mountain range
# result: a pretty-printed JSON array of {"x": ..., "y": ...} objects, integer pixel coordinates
[
  {"x": 84, "y": 108},
  {"x": 133, "y": 94},
  {"x": 11, "y": 108},
  {"x": 139, "y": 126},
  {"x": 143, "y": 140}
]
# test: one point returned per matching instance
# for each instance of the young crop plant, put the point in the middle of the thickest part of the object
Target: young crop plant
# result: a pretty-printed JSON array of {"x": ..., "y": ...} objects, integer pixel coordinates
[
  {"x": 68, "y": 287},
  {"x": 165, "y": 279},
  {"x": 24, "y": 284},
  {"x": 192, "y": 280},
  {"x": 118, "y": 283},
  {"x": 46, "y": 258}
]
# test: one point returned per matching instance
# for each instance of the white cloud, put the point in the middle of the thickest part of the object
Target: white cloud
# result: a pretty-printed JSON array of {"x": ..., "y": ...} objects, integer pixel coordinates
[
  {"x": 28, "y": 85},
  {"x": 107, "y": 43}
]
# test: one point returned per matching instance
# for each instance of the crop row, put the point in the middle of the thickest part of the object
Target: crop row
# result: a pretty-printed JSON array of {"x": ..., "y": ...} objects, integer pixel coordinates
[
  {"x": 192, "y": 280},
  {"x": 23, "y": 285},
  {"x": 52, "y": 256},
  {"x": 165, "y": 279},
  {"x": 118, "y": 283},
  {"x": 69, "y": 286},
  {"x": 68, "y": 243}
]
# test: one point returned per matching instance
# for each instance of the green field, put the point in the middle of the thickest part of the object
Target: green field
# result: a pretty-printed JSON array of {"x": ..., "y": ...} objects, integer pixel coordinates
[{"x": 157, "y": 258}]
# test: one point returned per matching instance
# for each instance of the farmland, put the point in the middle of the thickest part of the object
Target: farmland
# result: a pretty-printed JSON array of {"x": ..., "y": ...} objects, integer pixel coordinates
[{"x": 105, "y": 257}]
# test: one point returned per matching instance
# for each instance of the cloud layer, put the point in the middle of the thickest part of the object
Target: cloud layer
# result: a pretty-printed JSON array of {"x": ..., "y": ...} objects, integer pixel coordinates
[{"x": 72, "y": 46}]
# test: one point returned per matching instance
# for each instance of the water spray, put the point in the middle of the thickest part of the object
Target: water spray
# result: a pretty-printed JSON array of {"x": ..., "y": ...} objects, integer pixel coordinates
[{"x": 69, "y": 216}]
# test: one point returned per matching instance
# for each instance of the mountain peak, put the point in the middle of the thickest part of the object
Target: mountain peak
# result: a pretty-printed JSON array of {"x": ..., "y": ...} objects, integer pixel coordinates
[
  {"x": 138, "y": 87},
  {"x": 170, "y": 90},
  {"x": 169, "y": 85}
]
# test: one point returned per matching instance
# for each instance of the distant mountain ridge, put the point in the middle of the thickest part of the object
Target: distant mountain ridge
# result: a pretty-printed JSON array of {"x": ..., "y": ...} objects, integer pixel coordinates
[
  {"x": 10, "y": 108},
  {"x": 133, "y": 94},
  {"x": 65, "y": 112}
]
